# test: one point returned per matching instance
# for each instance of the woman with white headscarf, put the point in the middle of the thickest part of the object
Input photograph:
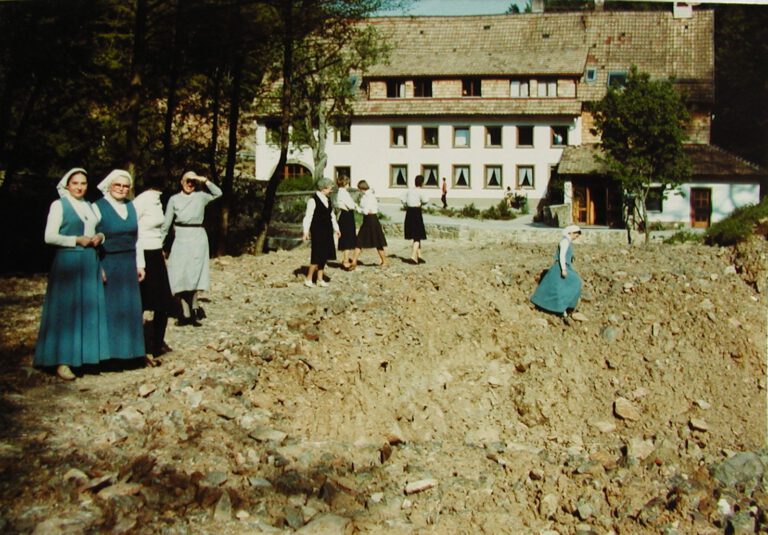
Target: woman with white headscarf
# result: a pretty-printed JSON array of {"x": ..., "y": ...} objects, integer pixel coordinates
[
  {"x": 188, "y": 267},
  {"x": 560, "y": 288},
  {"x": 73, "y": 326},
  {"x": 123, "y": 269}
]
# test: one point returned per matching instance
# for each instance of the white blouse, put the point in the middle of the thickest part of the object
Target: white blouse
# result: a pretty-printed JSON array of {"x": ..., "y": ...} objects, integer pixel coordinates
[
  {"x": 84, "y": 211},
  {"x": 344, "y": 200},
  {"x": 415, "y": 198},
  {"x": 307, "y": 221},
  {"x": 369, "y": 204}
]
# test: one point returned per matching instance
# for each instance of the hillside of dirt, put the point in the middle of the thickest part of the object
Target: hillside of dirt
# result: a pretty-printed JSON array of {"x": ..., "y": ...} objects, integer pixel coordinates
[{"x": 410, "y": 399}]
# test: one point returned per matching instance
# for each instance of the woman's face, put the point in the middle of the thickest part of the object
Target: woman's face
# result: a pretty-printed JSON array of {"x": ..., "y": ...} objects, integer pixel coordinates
[
  {"x": 77, "y": 185},
  {"x": 187, "y": 185},
  {"x": 119, "y": 188}
]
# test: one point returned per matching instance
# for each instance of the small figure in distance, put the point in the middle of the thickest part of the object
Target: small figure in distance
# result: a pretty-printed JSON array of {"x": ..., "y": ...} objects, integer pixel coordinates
[
  {"x": 560, "y": 288},
  {"x": 370, "y": 235}
]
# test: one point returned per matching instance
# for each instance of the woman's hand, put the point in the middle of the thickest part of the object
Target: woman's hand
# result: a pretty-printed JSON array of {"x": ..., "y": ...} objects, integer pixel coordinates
[
  {"x": 83, "y": 241},
  {"x": 305, "y": 236},
  {"x": 563, "y": 273},
  {"x": 142, "y": 273},
  {"x": 98, "y": 239}
]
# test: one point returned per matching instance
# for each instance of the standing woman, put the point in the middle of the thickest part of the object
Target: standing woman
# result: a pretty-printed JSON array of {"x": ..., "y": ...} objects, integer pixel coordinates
[
  {"x": 320, "y": 222},
  {"x": 413, "y": 227},
  {"x": 155, "y": 288},
  {"x": 188, "y": 267},
  {"x": 347, "y": 207},
  {"x": 560, "y": 288},
  {"x": 370, "y": 235},
  {"x": 122, "y": 267},
  {"x": 73, "y": 326}
]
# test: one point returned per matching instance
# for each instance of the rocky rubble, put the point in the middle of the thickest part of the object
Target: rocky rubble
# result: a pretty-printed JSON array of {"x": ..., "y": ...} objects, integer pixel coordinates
[{"x": 409, "y": 399}]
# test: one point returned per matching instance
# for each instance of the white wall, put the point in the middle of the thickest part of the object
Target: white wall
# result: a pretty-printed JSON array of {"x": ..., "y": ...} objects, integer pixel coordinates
[
  {"x": 726, "y": 197},
  {"x": 369, "y": 155}
]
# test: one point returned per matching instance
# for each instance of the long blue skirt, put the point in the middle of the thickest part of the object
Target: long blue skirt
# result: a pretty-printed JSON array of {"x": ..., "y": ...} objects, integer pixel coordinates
[
  {"x": 123, "y": 300},
  {"x": 555, "y": 293},
  {"x": 73, "y": 326}
]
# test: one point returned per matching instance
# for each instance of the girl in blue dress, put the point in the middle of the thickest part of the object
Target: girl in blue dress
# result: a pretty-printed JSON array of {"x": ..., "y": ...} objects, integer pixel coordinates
[
  {"x": 560, "y": 288},
  {"x": 73, "y": 326},
  {"x": 123, "y": 268}
]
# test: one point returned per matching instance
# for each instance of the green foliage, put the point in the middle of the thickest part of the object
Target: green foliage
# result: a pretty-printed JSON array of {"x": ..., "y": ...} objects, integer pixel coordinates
[
  {"x": 299, "y": 183},
  {"x": 684, "y": 236},
  {"x": 738, "y": 226},
  {"x": 469, "y": 210},
  {"x": 498, "y": 211}
]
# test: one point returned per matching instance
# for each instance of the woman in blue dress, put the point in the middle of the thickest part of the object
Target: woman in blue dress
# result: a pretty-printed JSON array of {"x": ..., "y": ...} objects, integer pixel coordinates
[
  {"x": 123, "y": 268},
  {"x": 73, "y": 326},
  {"x": 560, "y": 288}
]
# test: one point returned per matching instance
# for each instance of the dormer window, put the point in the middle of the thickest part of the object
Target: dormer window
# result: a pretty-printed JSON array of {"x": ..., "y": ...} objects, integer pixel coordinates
[
  {"x": 470, "y": 87},
  {"x": 395, "y": 88},
  {"x": 422, "y": 87},
  {"x": 591, "y": 76},
  {"x": 617, "y": 79},
  {"x": 547, "y": 88},
  {"x": 518, "y": 88}
]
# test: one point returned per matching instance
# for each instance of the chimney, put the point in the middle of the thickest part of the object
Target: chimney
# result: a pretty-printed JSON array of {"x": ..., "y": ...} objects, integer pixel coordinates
[
  {"x": 599, "y": 5},
  {"x": 537, "y": 6}
]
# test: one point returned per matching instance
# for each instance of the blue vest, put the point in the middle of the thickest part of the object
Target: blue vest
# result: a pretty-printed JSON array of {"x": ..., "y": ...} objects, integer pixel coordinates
[{"x": 121, "y": 234}]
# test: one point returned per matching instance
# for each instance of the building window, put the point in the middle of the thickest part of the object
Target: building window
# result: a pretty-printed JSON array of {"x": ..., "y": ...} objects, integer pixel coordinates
[
  {"x": 461, "y": 136},
  {"x": 399, "y": 136},
  {"x": 273, "y": 131},
  {"x": 493, "y": 178},
  {"x": 654, "y": 202},
  {"x": 591, "y": 77},
  {"x": 470, "y": 87},
  {"x": 422, "y": 87},
  {"x": 547, "y": 88},
  {"x": 430, "y": 174},
  {"x": 342, "y": 170},
  {"x": 525, "y": 177},
  {"x": 493, "y": 136},
  {"x": 559, "y": 136},
  {"x": 398, "y": 176},
  {"x": 342, "y": 134},
  {"x": 295, "y": 170},
  {"x": 395, "y": 88},
  {"x": 617, "y": 79},
  {"x": 461, "y": 176},
  {"x": 518, "y": 88},
  {"x": 525, "y": 136},
  {"x": 430, "y": 137}
]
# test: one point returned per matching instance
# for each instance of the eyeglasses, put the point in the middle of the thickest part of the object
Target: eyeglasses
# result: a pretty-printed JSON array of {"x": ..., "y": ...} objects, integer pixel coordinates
[{"x": 121, "y": 186}]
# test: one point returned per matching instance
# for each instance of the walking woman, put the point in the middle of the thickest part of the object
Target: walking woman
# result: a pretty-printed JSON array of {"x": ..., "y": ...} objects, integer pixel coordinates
[
  {"x": 413, "y": 227},
  {"x": 560, "y": 288},
  {"x": 188, "y": 264},
  {"x": 155, "y": 288},
  {"x": 122, "y": 268},
  {"x": 347, "y": 207},
  {"x": 73, "y": 326},
  {"x": 320, "y": 223},
  {"x": 370, "y": 235}
]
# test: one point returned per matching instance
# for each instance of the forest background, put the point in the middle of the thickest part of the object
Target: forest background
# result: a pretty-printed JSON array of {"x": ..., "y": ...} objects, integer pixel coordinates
[{"x": 159, "y": 86}]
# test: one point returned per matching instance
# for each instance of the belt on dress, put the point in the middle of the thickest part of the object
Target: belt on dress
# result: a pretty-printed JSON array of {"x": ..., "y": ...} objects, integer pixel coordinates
[{"x": 188, "y": 224}]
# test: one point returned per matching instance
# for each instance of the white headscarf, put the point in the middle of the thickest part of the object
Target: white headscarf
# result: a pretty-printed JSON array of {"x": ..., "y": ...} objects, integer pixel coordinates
[
  {"x": 571, "y": 228},
  {"x": 105, "y": 184},
  {"x": 61, "y": 187}
]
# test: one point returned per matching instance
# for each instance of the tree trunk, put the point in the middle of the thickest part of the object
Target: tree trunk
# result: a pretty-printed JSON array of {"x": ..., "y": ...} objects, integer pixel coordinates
[
  {"x": 173, "y": 79},
  {"x": 21, "y": 132},
  {"x": 215, "y": 111},
  {"x": 320, "y": 155},
  {"x": 285, "y": 121},
  {"x": 134, "y": 89}
]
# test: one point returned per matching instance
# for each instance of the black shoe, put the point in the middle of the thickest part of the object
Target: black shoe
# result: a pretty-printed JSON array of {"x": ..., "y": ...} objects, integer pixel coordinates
[
  {"x": 200, "y": 313},
  {"x": 188, "y": 321}
]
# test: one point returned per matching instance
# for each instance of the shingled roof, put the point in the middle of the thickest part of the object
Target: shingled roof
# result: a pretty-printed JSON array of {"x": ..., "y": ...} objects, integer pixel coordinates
[
  {"x": 554, "y": 44},
  {"x": 467, "y": 107},
  {"x": 708, "y": 161}
]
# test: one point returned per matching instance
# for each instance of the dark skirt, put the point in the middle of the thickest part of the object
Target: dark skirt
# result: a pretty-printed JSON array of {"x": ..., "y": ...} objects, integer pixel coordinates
[
  {"x": 347, "y": 227},
  {"x": 414, "y": 224},
  {"x": 322, "y": 250},
  {"x": 370, "y": 235},
  {"x": 155, "y": 289},
  {"x": 123, "y": 299}
]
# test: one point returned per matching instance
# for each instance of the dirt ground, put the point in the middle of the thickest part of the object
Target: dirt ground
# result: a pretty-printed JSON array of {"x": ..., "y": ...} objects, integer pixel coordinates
[{"x": 410, "y": 399}]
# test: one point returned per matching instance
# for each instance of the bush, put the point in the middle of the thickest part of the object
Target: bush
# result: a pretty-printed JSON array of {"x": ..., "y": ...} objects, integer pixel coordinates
[
  {"x": 298, "y": 183},
  {"x": 684, "y": 236},
  {"x": 500, "y": 211},
  {"x": 470, "y": 210},
  {"x": 738, "y": 226}
]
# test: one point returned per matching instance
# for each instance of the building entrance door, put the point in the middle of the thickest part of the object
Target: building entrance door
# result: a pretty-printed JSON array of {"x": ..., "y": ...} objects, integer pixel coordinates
[{"x": 701, "y": 207}]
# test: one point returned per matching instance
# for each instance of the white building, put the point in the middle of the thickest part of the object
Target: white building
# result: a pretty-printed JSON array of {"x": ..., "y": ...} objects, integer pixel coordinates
[{"x": 493, "y": 101}]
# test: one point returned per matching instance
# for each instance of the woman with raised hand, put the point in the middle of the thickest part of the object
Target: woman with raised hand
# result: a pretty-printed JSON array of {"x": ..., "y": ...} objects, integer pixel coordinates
[
  {"x": 122, "y": 268},
  {"x": 188, "y": 264},
  {"x": 73, "y": 326}
]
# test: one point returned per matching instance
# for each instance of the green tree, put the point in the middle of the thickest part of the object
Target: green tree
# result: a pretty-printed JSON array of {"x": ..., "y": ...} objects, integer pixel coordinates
[{"x": 642, "y": 129}]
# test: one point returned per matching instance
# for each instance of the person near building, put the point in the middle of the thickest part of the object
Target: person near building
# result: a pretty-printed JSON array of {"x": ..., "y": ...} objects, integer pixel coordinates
[
  {"x": 347, "y": 207},
  {"x": 560, "y": 288},
  {"x": 370, "y": 235},
  {"x": 122, "y": 269},
  {"x": 188, "y": 263},
  {"x": 320, "y": 224},
  {"x": 444, "y": 193},
  {"x": 413, "y": 228},
  {"x": 73, "y": 324}
]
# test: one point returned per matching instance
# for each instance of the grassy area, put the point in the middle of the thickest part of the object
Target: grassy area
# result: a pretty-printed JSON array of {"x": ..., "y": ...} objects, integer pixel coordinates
[{"x": 740, "y": 225}]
